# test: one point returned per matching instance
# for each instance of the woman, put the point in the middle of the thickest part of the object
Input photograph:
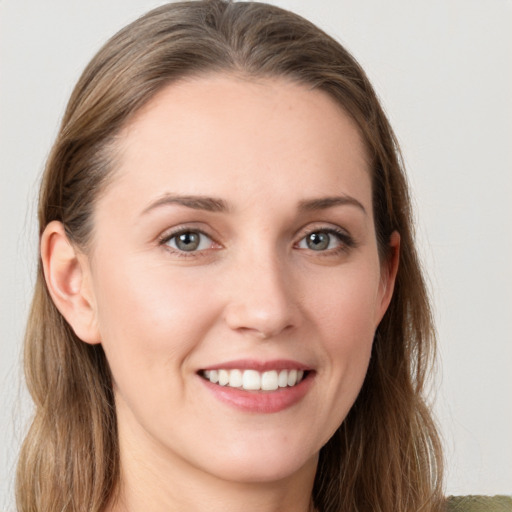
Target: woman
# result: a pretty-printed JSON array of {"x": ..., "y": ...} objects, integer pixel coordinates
[{"x": 229, "y": 310}]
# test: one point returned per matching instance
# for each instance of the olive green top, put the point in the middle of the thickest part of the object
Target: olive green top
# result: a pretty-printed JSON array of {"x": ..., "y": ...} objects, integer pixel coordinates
[{"x": 479, "y": 504}]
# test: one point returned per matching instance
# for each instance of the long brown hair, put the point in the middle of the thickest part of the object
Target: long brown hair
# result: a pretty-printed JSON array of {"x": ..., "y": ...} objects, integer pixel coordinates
[{"x": 386, "y": 455}]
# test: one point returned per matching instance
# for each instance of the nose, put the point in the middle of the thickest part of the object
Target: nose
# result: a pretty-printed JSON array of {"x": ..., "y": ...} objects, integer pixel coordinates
[{"x": 261, "y": 298}]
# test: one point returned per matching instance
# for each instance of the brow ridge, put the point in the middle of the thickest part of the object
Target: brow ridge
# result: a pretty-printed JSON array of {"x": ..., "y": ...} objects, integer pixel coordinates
[
  {"x": 323, "y": 203},
  {"x": 210, "y": 204},
  {"x": 213, "y": 204}
]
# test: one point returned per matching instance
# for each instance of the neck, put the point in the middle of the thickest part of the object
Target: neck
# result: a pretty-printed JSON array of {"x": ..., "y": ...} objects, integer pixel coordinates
[{"x": 154, "y": 481}]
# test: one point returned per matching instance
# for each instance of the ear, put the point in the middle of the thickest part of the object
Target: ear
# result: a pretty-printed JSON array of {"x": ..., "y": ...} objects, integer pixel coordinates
[
  {"x": 67, "y": 276},
  {"x": 389, "y": 269}
]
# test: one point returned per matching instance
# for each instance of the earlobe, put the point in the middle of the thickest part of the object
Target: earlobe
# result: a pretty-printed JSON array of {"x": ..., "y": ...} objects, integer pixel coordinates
[
  {"x": 67, "y": 278},
  {"x": 388, "y": 274}
]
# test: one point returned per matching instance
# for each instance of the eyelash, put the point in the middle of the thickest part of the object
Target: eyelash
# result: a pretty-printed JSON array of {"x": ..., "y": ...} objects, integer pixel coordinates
[
  {"x": 167, "y": 237},
  {"x": 345, "y": 240}
]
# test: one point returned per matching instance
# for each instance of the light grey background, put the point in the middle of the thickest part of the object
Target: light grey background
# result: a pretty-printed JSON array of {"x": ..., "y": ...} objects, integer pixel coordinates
[{"x": 443, "y": 71}]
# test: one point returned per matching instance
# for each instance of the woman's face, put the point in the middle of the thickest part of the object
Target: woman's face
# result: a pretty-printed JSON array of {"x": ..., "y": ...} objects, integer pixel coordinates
[{"x": 235, "y": 277}]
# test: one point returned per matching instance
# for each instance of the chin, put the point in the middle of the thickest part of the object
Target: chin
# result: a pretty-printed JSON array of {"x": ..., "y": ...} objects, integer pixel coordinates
[{"x": 262, "y": 467}]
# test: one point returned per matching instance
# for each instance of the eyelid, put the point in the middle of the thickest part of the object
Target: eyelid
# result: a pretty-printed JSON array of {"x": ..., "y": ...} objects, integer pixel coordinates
[
  {"x": 346, "y": 240},
  {"x": 171, "y": 233},
  {"x": 312, "y": 227}
]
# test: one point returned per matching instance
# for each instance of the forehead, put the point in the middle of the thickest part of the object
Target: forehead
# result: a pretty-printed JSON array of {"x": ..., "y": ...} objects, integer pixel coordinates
[{"x": 250, "y": 138}]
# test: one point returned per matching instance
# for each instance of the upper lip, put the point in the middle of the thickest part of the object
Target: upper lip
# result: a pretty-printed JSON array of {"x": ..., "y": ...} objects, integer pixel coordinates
[{"x": 261, "y": 366}]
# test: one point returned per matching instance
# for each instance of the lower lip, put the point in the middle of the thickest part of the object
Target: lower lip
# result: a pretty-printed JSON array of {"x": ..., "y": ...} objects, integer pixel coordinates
[{"x": 261, "y": 401}]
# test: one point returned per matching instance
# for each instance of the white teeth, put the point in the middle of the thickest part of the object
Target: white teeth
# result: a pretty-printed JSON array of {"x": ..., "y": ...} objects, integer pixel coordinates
[
  {"x": 235, "y": 379},
  {"x": 223, "y": 377},
  {"x": 282, "y": 380},
  {"x": 269, "y": 381},
  {"x": 253, "y": 380}
]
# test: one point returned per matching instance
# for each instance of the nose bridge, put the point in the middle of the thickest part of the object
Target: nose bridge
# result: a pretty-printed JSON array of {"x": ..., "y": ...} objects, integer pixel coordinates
[{"x": 261, "y": 293}]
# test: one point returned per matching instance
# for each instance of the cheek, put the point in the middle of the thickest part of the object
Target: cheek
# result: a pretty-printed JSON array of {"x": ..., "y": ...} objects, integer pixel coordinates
[
  {"x": 345, "y": 303},
  {"x": 344, "y": 310},
  {"x": 341, "y": 317},
  {"x": 149, "y": 318}
]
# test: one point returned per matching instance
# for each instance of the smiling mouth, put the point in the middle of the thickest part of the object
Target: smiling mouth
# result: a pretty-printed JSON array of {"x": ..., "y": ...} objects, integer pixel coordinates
[{"x": 253, "y": 380}]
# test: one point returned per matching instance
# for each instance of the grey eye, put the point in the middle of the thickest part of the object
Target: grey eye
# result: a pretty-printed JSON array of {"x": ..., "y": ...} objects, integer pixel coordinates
[
  {"x": 318, "y": 241},
  {"x": 324, "y": 240},
  {"x": 188, "y": 241}
]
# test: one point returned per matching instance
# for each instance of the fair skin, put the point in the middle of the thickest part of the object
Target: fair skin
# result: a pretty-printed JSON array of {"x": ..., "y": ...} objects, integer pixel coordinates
[{"x": 237, "y": 234}]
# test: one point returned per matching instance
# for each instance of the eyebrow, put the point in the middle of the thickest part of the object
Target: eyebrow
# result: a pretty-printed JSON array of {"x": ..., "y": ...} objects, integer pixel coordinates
[
  {"x": 324, "y": 203},
  {"x": 212, "y": 204}
]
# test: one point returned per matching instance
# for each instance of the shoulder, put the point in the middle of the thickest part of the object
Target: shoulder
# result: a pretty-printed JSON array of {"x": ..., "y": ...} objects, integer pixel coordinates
[{"x": 479, "y": 504}]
